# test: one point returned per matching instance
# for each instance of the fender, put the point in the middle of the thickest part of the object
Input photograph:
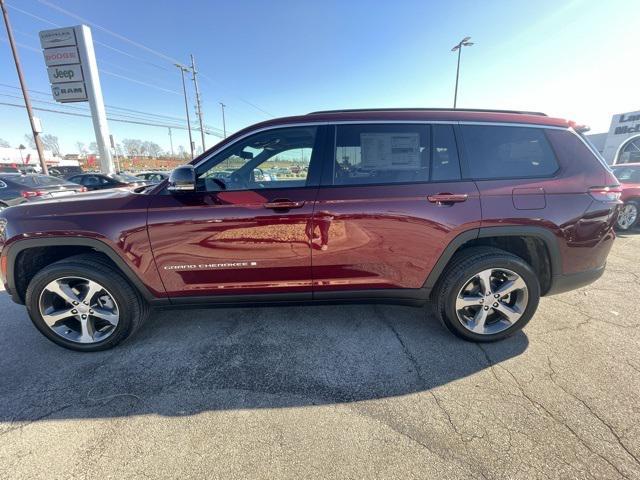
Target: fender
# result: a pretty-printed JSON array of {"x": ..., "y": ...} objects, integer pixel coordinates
[
  {"x": 547, "y": 236},
  {"x": 14, "y": 249}
]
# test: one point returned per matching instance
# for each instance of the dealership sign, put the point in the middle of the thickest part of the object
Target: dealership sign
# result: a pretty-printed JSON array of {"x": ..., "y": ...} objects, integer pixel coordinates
[
  {"x": 65, "y": 73},
  {"x": 73, "y": 74}
]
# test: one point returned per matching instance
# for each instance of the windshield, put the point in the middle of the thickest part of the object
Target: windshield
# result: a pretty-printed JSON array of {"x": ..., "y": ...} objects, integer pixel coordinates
[{"x": 627, "y": 174}]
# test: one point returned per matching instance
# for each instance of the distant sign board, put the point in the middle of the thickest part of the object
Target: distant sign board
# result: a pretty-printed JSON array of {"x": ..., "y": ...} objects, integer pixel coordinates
[
  {"x": 61, "y": 56},
  {"x": 69, "y": 92},
  {"x": 65, "y": 73},
  {"x": 60, "y": 37}
]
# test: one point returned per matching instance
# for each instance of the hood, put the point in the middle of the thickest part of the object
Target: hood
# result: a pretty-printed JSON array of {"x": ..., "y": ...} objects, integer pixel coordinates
[{"x": 86, "y": 203}]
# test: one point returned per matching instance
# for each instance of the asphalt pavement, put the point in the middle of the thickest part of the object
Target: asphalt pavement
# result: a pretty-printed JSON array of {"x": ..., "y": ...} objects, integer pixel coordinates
[{"x": 334, "y": 392}]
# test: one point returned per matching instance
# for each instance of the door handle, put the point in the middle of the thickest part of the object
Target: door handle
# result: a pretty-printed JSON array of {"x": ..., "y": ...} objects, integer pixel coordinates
[
  {"x": 283, "y": 204},
  {"x": 448, "y": 198}
]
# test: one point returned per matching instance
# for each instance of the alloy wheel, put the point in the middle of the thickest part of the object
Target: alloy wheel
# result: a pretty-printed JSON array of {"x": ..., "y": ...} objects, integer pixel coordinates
[
  {"x": 628, "y": 216},
  {"x": 492, "y": 301},
  {"x": 79, "y": 310}
]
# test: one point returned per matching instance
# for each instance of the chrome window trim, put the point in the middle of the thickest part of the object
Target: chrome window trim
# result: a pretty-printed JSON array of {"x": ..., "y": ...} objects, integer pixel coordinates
[{"x": 365, "y": 122}]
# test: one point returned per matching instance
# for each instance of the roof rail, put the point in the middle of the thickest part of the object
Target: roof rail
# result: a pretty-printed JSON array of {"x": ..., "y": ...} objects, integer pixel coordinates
[{"x": 354, "y": 110}]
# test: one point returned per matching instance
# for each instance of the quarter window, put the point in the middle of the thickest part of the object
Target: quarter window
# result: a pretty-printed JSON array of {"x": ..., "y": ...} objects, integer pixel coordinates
[
  {"x": 2, "y": 184},
  {"x": 367, "y": 154},
  {"x": 508, "y": 152}
]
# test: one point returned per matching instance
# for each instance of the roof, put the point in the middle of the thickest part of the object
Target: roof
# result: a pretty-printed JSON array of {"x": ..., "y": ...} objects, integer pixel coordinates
[{"x": 407, "y": 115}]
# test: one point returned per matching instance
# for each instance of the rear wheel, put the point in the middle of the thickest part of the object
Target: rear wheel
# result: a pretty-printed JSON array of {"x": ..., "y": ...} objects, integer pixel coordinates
[
  {"x": 628, "y": 216},
  {"x": 83, "y": 303},
  {"x": 486, "y": 294}
]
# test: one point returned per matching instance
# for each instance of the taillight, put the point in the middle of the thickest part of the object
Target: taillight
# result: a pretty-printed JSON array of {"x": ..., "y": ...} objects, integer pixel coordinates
[
  {"x": 83, "y": 189},
  {"x": 31, "y": 193},
  {"x": 609, "y": 193}
]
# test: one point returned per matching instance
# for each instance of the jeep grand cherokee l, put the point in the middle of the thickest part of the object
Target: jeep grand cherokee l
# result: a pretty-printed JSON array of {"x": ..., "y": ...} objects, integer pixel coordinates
[{"x": 478, "y": 212}]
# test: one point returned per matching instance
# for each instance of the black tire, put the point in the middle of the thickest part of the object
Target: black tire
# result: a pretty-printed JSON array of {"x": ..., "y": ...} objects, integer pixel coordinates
[
  {"x": 628, "y": 225},
  {"x": 133, "y": 310},
  {"x": 462, "y": 267}
]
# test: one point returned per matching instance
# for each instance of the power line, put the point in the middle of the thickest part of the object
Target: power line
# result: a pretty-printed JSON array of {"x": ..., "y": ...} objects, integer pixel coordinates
[
  {"x": 143, "y": 47},
  {"x": 109, "y": 107},
  {"x": 110, "y": 32},
  {"x": 74, "y": 114}
]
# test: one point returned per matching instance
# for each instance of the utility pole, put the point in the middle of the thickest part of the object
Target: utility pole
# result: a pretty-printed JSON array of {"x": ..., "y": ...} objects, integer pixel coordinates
[
  {"x": 35, "y": 127},
  {"x": 198, "y": 102},
  {"x": 224, "y": 124},
  {"x": 186, "y": 104},
  {"x": 463, "y": 43},
  {"x": 171, "y": 141}
]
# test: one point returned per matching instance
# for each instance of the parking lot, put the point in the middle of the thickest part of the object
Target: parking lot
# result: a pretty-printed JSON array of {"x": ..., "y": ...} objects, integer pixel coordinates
[{"x": 334, "y": 391}]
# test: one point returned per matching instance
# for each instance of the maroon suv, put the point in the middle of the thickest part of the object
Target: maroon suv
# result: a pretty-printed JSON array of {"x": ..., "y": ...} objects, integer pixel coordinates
[{"x": 479, "y": 212}]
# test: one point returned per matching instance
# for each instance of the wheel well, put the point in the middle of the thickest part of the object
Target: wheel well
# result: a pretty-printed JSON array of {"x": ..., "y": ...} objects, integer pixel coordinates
[
  {"x": 31, "y": 260},
  {"x": 532, "y": 250}
]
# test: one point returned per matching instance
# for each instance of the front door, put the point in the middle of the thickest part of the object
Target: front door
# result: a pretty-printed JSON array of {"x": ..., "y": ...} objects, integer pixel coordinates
[
  {"x": 245, "y": 228},
  {"x": 390, "y": 202}
]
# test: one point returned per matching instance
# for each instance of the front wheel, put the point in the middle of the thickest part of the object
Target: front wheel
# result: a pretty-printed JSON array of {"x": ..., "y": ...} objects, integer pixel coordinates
[
  {"x": 628, "y": 216},
  {"x": 486, "y": 294},
  {"x": 84, "y": 303}
]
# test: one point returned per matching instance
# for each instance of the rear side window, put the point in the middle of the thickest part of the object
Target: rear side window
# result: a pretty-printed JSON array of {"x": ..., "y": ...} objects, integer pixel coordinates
[
  {"x": 375, "y": 153},
  {"x": 508, "y": 152}
]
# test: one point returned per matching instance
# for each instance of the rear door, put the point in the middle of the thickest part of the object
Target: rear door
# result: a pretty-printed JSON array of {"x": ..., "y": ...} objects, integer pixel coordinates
[
  {"x": 391, "y": 200},
  {"x": 244, "y": 229}
]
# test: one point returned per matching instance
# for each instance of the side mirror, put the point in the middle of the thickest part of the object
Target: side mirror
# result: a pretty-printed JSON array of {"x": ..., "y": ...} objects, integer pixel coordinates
[{"x": 182, "y": 179}]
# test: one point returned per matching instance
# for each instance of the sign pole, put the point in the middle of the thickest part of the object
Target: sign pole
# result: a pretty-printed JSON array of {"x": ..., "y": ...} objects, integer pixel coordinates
[
  {"x": 94, "y": 95},
  {"x": 25, "y": 92}
]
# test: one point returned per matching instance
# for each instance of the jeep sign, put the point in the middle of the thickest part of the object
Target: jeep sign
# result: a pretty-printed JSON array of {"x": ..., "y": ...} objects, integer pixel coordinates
[
  {"x": 65, "y": 73},
  {"x": 69, "y": 92}
]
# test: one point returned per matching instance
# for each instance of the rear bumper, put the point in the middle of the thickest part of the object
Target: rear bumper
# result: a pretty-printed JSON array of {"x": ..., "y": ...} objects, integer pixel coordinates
[{"x": 565, "y": 283}]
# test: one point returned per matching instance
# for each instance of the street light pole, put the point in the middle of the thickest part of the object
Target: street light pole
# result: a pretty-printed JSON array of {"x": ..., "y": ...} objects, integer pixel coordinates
[
  {"x": 186, "y": 104},
  {"x": 224, "y": 124},
  {"x": 25, "y": 93},
  {"x": 463, "y": 43},
  {"x": 198, "y": 101}
]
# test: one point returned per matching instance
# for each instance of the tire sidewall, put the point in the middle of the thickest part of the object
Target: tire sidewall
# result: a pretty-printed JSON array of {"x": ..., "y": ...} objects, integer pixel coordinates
[
  {"x": 506, "y": 262},
  {"x": 111, "y": 281}
]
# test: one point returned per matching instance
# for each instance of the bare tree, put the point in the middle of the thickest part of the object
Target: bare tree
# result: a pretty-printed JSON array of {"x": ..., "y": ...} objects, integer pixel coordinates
[
  {"x": 30, "y": 141},
  {"x": 4, "y": 143},
  {"x": 132, "y": 146},
  {"x": 93, "y": 148},
  {"x": 82, "y": 149},
  {"x": 51, "y": 143}
]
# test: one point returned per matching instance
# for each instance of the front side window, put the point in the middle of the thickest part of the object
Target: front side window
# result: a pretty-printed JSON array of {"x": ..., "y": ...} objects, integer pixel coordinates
[
  {"x": 381, "y": 154},
  {"x": 496, "y": 152},
  {"x": 277, "y": 158},
  {"x": 627, "y": 174}
]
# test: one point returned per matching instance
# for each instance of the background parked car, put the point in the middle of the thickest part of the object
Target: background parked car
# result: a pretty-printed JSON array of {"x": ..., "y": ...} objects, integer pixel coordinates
[
  {"x": 65, "y": 171},
  {"x": 16, "y": 188},
  {"x": 152, "y": 177},
  {"x": 100, "y": 181},
  {"x": 629, "y": 176},
  {"x": 8, "y": 169}
]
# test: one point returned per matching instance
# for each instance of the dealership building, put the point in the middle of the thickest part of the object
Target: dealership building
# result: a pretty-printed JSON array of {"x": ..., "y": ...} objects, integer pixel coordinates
[{"x": 621, "y": 144}]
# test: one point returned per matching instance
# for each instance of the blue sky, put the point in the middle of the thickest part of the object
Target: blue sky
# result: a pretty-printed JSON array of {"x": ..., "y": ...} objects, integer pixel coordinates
[{"x": 574, "y": 59}]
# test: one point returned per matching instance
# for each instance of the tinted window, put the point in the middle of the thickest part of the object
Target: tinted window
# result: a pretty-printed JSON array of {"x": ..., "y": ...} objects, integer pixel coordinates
[
  {"x": 48, "y": 181},
  {"x": 381, "y": 154},
  {"x": 273, "y": 159},
  {"x": 507, "y": 152},
  {"x": 445, "y": 164},
  {"x": 627, "y": 174},
  {"x": 25, "y": 180}
]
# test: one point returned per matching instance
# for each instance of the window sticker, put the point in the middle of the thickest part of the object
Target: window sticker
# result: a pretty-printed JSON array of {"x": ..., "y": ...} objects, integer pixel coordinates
[{"x": 390, "y": 151}]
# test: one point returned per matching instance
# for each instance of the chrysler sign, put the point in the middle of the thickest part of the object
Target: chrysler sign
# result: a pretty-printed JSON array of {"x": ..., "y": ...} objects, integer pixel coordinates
[{"x": 61, "y": 37}]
